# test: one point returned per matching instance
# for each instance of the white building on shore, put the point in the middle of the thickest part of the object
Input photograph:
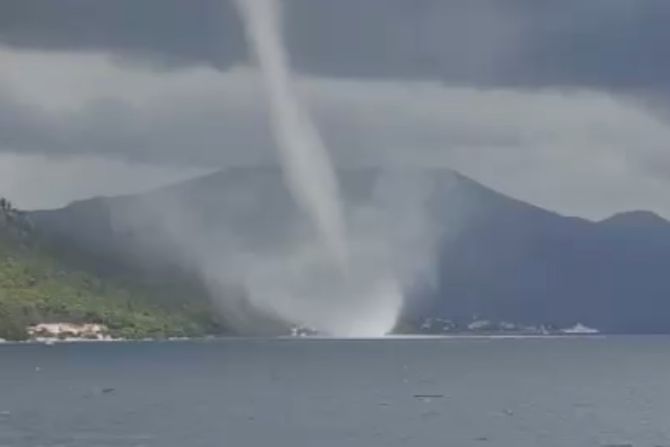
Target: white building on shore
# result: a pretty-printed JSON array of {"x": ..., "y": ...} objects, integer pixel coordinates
[{"x": 87, "y": 331}]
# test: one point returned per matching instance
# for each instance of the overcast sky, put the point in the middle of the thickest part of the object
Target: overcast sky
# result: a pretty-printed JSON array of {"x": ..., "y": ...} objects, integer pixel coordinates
[{"x": 563, "y": 104}]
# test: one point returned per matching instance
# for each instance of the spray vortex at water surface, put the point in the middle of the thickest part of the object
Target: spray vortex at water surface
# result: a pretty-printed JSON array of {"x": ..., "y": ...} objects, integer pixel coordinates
[{"x": 337, "y": 284}]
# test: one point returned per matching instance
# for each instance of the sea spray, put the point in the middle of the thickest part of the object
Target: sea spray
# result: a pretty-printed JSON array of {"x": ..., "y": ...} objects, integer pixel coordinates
[
  {"x": 276, "y": 249},
  {"x": 342, "y": 285}
]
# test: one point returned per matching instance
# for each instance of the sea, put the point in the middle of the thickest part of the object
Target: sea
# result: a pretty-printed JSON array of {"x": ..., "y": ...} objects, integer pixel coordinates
[{"x": 486, "y": 391}]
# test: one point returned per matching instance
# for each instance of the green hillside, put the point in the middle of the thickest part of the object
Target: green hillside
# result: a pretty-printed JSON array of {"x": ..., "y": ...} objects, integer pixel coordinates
[{"x": 37, "y": 286}]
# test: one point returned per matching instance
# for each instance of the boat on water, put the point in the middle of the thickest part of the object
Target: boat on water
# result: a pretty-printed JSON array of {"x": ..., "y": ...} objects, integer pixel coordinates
[{"x": 580, "y": 329}]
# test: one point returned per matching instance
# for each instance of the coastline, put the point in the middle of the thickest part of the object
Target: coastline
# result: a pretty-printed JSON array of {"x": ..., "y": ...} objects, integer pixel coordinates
[
  {"x": 392, "y": 337},
  {"x": 73, "y": 340}
]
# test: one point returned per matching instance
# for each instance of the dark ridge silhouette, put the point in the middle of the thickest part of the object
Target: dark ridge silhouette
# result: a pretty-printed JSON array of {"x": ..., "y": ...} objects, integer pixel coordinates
[{"x": 498, "y": 258}]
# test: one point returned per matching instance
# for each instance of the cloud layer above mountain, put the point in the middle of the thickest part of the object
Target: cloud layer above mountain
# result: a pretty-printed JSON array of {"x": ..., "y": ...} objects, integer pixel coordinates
[
  {"x": 562, "y": 105},
  {"x": 600, "y": 43}
]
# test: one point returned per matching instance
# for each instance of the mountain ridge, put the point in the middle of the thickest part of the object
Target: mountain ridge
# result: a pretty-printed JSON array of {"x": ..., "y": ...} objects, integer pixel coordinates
[{"x": 498, "y": 258}]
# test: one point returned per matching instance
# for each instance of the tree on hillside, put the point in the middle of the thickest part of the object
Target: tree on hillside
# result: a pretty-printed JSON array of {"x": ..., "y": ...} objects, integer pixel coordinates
[
  {"x": 17, "y": 222},
  {"x": 5, "y": 205}
]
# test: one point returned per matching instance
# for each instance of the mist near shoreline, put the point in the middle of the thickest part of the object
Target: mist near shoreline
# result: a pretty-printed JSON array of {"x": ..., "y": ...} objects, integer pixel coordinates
[
  {"x": 289, "y": 246},
  {"x": 334, "y": 283}
]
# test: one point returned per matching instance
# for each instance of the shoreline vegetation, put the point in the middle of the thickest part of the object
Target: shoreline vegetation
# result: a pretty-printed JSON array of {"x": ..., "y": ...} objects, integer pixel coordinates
[
  {"x": 52, "y": 294},
  {"x": 41, "y": 285}
]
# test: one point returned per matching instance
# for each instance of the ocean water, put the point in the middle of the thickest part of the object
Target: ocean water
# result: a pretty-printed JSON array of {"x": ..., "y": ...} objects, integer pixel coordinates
[{"x": 601, "y": 391}]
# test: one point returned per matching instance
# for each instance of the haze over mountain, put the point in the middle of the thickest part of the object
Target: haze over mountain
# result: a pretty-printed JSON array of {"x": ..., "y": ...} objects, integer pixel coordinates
[
  {"x": 468, "y": 251},
  {"x": 568, "y": 114},
  {"x": 44, "y": 282}
]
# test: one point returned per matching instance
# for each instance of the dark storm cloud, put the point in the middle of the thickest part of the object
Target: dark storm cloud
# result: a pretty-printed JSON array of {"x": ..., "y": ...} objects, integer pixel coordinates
[
  {"x": 525, "y": 143},
  {"x": 165, "y": 31},
  {"x": 613, "y": 44}
]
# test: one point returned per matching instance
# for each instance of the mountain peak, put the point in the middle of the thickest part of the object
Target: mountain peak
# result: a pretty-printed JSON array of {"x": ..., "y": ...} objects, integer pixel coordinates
[
  {"x": 491, "y": 255},
  {"x": 637, "y": 219}
]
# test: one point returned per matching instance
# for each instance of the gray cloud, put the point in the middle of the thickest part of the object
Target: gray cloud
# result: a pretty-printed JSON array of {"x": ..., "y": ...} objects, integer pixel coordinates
[
  {"x": 166, "y": 32},
  {"x": 191, "y": 127},
  {"x": 611, "y": 44},
  {"x": 580, "y": 152},
  {"x": 39, "y": 182},
  {"x": 390, "y": 81}
]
